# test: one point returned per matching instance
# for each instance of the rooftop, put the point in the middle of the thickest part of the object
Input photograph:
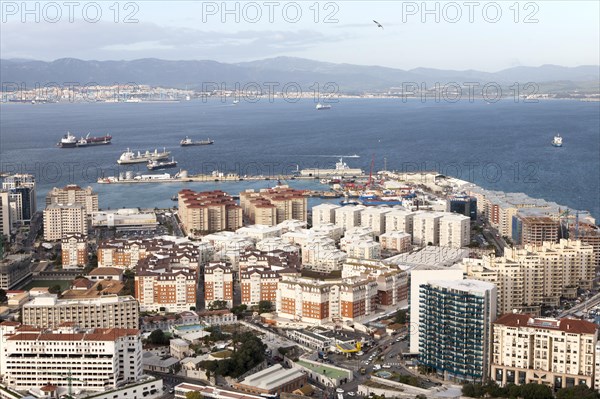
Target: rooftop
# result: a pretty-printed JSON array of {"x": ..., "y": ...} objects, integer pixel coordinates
[{"x": 272, "y": 377}]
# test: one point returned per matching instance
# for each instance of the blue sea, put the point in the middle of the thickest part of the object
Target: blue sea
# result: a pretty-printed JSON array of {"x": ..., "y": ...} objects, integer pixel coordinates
[{"x": 502, "y": 146}]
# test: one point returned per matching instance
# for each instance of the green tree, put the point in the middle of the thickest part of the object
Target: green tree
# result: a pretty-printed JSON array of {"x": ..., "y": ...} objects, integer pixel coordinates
[
  {"x": 536, "y": 391},
  {"x": 3, "y": 297},
  {"x": 158, "y": 337},
  {"x": 265, "y": 306},
  {"x": 99, "y": 287},
  {"x": 400, "y": 316},
  {"x": 581, "y": 391},
  {"x": 55, "y": 289},
  {"x": 194, "y": 395},
  {"x": 217, "y": 305},
  {"x": 239, "y": 310}
]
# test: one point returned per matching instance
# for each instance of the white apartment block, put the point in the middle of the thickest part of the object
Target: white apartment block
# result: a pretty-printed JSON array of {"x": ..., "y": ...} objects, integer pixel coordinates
[
  {"x": 374, "y": 218},
  {"x": 320, "y": 254},
  {"x": 64, "y": 219},
  {"x": 348, "y": 216},
  {"x": 455, "y": 230},
  {"x": 356, "y": 234},
  {"x": 5, "y": 220},
  {"x": 399, "y": 220},
  {"x": 97, "y": 360},
  {"x": 107, "y": 311},
  {"x": 324, "y": 214},
  {"x": 330, "y": 230},
  {"x": 362, "y": 249},
  {"x": 426, "y": 228},
  {"x": 74, "y": 249},
  {"x": 259, "y": 232},
  {"x": 557, "y": 353},
  {"x": 396, "y": 241},
  {"x": 392, "y": 283}
]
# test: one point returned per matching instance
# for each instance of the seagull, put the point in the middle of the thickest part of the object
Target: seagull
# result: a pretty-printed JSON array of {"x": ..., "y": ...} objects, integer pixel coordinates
[{"x": 378, "y": 24}]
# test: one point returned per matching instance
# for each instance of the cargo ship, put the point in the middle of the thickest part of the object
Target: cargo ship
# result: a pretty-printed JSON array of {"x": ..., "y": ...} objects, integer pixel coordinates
[
  {"x": 186, "y": 142},
  {"x": 89, "y": 141},
  {"x": 129, "y": 157},
  {"x": 67, "y": 141},
  {"x": 156, "y": 165}
]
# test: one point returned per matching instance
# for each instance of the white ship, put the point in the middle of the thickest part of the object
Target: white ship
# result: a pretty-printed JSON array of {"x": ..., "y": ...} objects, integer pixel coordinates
[
  {"x": 129, "y": 157},
  {"x": 557, "y": 141},
  {"x": 320, "y": 106},
  {"x": 67, "y": 141},
  {"x": 341, "y": 169}
]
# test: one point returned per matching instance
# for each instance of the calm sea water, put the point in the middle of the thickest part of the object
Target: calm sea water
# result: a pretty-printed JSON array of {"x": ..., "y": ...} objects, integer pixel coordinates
[{"x": 503, "y": 146}]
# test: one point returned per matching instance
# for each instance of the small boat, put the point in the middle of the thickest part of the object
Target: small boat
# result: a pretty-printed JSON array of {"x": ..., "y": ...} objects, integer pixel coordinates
[
  {"x": 322, "y": 107},
  {"x": 235, "y": 102},
  {"x": 557, "y": 141},
  {"x": 67, "y": 141},
  {"x": 156, "y": 165},
  {"x": 186, "y": 142},
  {"x": 174, "y": 198}
]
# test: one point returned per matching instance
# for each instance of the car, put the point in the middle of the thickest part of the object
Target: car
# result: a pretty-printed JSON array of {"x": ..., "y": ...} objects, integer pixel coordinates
[
  {"x": 360, "y": 353},
  {"x": 339, "y": 390},
  {"x": 377, "y": 367},
  {"x": 171, "y": 390},
  {"x": 351, "y": 393},
  {"x": 386, "y": 366}
]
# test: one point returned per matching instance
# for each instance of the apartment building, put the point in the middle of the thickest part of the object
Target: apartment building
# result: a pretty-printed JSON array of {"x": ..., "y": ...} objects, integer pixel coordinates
[
  {"x": 5, "y": 221},
  {"x": 161, "y": 284},
  {"x": 399, "y": 220},
  {"x": 374, "y": 218},
  {"x": 455, "y": 230},
  {"x": 274, "y": 205},
  {"x": 554, "y": 352},
  {"x": 73, "y": 194},
  {"x": 106, "y": 311},
  {"x": 259, "y": 285},
  {"x": 208, "y": 212},
  {"x": 535, "y": 230},
  {"x": 74, "y": 251},
  {"x": 397, "y": 241},
  {"x": 314, "y": 301},
  {"x": 60, "y": 219},
  {"x": 362, "y": 249},
  {"x": 426, "y": 228},
  {"x": 535, "y": 275},
  {"x": 21, "y": 190},
  {"x": 218, "y": 283},
  {"x": 96, "y": 360},
  {"x": 392, "y": 283},
  {"x": 15, "y": 270},
  {"x": 455, "y": 328},
  {"x": 274, "y": 259},
  {"x": 348, "y": 216},
  {"x": 324, "y": 214}
]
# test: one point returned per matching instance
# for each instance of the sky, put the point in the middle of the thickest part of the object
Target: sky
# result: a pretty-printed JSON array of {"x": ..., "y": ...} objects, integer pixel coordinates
[{"x": 482, "y": 35}]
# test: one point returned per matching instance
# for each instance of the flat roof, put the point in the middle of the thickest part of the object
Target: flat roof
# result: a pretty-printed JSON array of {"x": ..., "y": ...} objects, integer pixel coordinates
[
  {"x": 323, "y": 369},
  {"x": 272, "y": 377}
]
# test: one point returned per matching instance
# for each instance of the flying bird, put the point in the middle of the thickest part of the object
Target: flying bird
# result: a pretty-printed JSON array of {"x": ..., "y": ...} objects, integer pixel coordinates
[{"x": 378, "y": 24}]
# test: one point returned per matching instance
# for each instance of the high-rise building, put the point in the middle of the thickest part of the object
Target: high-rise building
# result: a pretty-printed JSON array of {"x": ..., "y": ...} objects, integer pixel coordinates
[
  {"x": 374, "y": 218},
  {"x": 557, "y": 353},
  {"x": 324, "y": 214},
  {"x": 348, "y": 217},
  {"x": 455, "y": 230},
  {"x": 21, "y": 188},
  {"x": 5, "y": 222},
  {"x": 106, "y": 311},
  {"x": 74, "y": 250},
  {"x": 464, "y": 205},
  {"x": 455, "y": 328},
  {"x": 218, "y": 284},
  {"x": 60, "y": 220},
  {"x": 208, "y": 212},
  {"x": 426, "y": 228},
  {"x": 399, "y": 220},
  {"x": 73, "y": 194},
  {"x": 95, "y": 359},
  {"x": 396, "y": 241}
]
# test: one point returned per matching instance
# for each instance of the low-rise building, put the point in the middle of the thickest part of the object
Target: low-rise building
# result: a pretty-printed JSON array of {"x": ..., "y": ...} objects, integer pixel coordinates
[
  {"x": 398, "y": 241},
  {"x": 14, "y": 270},
  {"x": 272, "y": 380},
  {"x": 125, "y": 219}
]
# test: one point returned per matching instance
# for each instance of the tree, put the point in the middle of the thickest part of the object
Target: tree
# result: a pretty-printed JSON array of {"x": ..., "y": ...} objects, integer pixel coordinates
[
  {"x": 3, "y": 297},
  {"x": 217, "y": 305},
  {"x": 99, "y": 287},
  {"x": 194, "y": 395},
  {"x": 239, "y": 310},
  {"x": 265, "y": 306},
  {"x": 158, "y": 337},
  {"x": 400, "y": 317},
  {"x": 55, "y": 289},
  {"x": 536, "y": 391},
  {"x": 581, "y": 391}
]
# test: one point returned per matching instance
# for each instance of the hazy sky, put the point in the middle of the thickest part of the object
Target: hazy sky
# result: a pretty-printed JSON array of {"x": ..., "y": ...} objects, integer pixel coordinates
[{"x": 481, "y": 35}]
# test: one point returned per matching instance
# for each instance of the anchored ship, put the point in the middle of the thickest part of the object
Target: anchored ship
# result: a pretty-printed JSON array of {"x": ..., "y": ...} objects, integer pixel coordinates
[
  {"x": 129, "y": 157},
  {"x": 186, "y": 142},
  {"x": 67, "y": 141},
  {"x": 156, "y": 165},
  {"x": 87, "y": 140},
  {"x": 321, "y": 107},
  {"x": 557, "y": 141}
]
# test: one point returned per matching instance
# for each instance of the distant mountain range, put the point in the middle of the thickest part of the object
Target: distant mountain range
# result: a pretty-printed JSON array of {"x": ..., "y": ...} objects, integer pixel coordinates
[{"x": 305, "y": 72}]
